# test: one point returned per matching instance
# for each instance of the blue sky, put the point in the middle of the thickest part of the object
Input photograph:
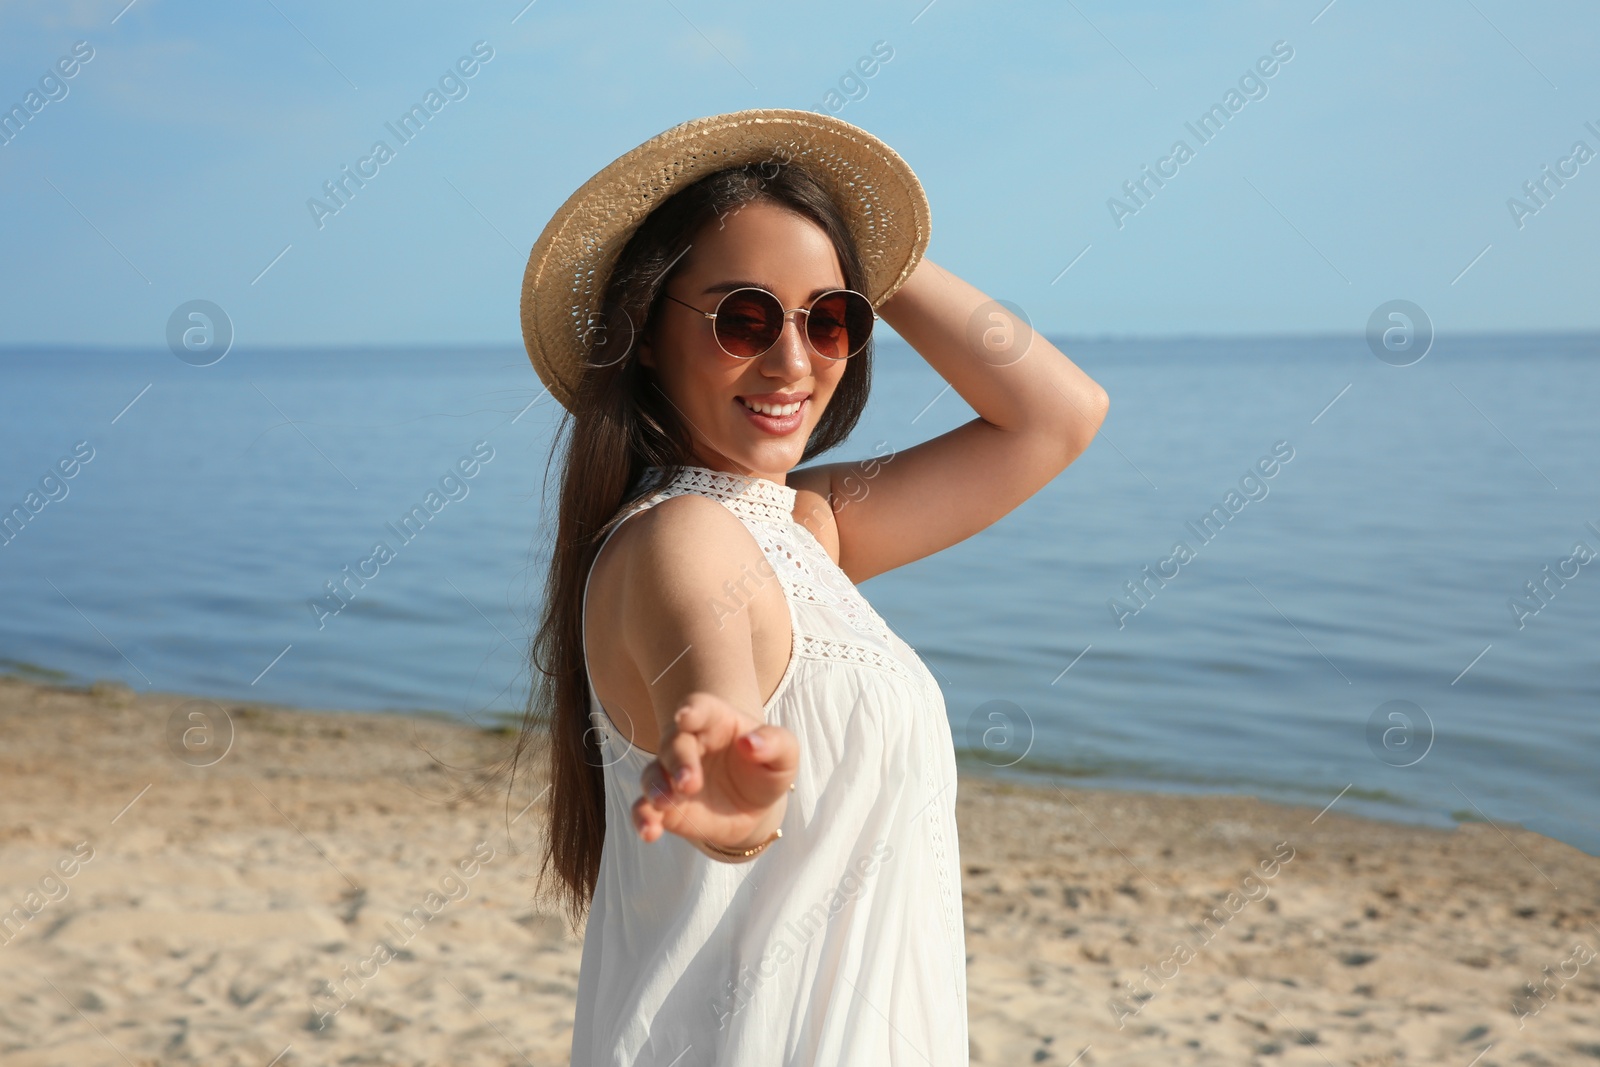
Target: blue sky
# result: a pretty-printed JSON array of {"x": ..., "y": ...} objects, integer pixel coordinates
[{"x": 1375, "y": 164}]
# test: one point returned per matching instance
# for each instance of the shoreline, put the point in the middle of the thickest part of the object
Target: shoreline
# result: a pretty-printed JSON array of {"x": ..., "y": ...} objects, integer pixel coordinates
[
  {"x": 210, "y": 909},
  {"x": 1376, "y": 805}
]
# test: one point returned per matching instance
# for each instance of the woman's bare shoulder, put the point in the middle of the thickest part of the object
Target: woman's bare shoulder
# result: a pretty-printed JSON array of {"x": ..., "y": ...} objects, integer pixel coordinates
[
  {"x": 681, "y": 526},
  {"x": 679, "y": 584},
  {"x": 686, "y": 546}
]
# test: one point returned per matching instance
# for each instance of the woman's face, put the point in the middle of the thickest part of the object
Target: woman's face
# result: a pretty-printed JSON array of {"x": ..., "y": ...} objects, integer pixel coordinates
[{"x": 759, "y": 244}]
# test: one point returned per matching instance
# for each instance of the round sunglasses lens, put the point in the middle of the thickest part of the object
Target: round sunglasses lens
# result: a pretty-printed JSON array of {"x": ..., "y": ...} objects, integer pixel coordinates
[
  {"x": 839, "y": 324},
  {"x": 748, "y": 322}
]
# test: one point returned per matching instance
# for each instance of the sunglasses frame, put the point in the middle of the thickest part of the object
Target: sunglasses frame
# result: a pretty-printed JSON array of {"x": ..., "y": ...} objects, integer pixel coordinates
[{"x": 712, "y": 316}]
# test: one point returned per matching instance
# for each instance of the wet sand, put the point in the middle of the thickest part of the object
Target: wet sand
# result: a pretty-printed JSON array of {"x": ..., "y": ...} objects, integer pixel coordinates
[{"x": 159, "y": 912}]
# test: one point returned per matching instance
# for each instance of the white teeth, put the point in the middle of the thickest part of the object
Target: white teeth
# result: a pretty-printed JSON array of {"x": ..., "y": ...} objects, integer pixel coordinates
[{"x": 779, "y": 410}]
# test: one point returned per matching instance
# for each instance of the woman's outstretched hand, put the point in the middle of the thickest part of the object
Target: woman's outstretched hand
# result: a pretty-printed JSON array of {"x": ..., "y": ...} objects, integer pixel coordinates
[{"x": 720, "y": 777}]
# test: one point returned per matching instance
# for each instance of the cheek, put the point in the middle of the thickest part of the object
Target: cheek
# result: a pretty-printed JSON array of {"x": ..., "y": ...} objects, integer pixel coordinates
[
  {"x": 703, "y": 387},
  {"x": 833, "y": 378}
]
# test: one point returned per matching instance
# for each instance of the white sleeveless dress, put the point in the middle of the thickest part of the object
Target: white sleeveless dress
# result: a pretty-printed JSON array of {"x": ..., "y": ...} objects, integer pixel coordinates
[{"x": 843, "y": 942}]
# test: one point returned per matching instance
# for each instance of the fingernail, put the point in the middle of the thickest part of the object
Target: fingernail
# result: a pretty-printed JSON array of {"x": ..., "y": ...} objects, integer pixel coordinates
[
  {"x": 682, "y": 777},
  {"x": 755, "y": 741}
]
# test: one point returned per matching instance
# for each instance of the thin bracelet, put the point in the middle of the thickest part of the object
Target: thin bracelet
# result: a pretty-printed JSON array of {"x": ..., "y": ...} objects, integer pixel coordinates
[
  {"x": 745, "y": 853},
  {"x": 734, "y": 853}
]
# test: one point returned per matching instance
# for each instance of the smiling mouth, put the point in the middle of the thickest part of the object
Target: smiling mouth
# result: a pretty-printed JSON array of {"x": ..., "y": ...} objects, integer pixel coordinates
[
  {"x": 780, "y": 411},
  {"x": 773, "y": 420}
]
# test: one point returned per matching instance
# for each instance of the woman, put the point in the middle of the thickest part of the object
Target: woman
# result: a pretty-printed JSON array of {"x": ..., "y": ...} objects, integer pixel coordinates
[{"x": 752, "y": 778}]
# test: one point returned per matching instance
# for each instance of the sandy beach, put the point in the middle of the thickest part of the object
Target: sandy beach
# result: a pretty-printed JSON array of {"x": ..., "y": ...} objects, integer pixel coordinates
[{"x": 171, "y": 899}]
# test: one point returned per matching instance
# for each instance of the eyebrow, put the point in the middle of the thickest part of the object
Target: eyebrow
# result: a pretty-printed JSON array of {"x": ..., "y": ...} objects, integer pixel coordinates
[{"x": 730, "y": 286}]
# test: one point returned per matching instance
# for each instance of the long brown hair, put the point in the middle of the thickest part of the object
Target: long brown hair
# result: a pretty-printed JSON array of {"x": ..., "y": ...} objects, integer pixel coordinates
[{"x": 621, "y": 422}]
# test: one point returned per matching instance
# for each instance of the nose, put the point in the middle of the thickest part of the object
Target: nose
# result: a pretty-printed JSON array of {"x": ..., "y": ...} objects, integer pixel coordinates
[{"x": 790, "y": 355}]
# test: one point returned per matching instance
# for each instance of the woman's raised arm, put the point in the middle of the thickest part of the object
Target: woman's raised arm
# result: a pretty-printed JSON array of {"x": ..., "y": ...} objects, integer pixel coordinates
[{"x": 1037, "y": 412}]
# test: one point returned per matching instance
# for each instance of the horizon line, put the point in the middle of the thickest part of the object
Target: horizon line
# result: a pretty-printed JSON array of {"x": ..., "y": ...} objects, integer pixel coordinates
[{"x": 19, "y": 347}]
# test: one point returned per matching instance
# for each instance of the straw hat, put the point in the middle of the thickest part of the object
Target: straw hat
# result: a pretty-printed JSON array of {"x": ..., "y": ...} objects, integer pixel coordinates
[{"x": 878, "y": 194}]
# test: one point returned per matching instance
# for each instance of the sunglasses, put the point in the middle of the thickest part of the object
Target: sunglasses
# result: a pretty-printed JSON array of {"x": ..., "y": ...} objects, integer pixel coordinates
[{"x": 748, "y": 322}]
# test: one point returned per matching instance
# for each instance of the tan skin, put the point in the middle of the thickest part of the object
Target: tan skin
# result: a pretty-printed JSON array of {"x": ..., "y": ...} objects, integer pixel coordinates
[{"x": 690, "y": 685}]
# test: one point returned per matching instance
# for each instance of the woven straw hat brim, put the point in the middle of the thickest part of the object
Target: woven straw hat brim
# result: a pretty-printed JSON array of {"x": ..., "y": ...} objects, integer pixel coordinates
[{"x": 878, "y": 195}]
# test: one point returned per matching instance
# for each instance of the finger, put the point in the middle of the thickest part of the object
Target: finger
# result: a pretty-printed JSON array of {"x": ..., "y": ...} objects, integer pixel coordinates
[
  {"x": 646, "y": 820},
  {"x": 652, "y": 808},
  {"x": 685, "y": 770},
  {"x": 666, "y": 759},
  {"x": 671, "y": 816},
  {"x": 695, "y": 714},
  {"x": 772, "y": 748},
  {"x": 770, "y": 754},
  {"x": 654, "y": 785},
  {"x": 666, "y": 810}
]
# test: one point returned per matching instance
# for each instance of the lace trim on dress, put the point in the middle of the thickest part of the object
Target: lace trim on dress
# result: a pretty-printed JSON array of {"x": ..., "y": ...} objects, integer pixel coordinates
[
  {"x": 815, "y": 579},
  {"x": 830, "y": 586},
  {"x": 746, "y": 495},
  {"x": 823, "y": 648}
]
